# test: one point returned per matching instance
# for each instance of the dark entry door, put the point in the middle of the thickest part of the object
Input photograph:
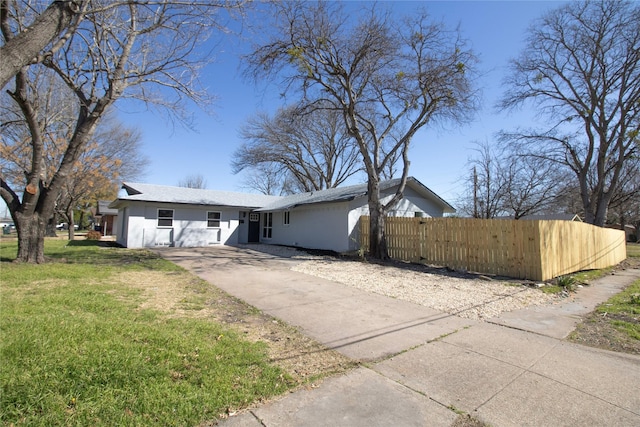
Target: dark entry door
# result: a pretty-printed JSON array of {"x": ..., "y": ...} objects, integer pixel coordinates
[{"x": 254, "y": 227}]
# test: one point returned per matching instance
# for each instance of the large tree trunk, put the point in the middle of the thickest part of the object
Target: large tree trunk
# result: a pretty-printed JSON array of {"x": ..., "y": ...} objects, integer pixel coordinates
[
  {"x": 31, "y": 230},
  {"x": 51, "y": 227},
  {"x": 377, "y": 237},
  {"x": 602, "y": 209},
  {"x": 595, "y": 205}
]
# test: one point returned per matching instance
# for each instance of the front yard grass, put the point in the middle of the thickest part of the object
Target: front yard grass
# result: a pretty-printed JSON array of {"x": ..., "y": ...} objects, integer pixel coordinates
[
  {"x": 633, "y": 250},
  {"x": 623, "y": 310},
  {"x": 78, "y": 349},
  {"x": 615, "y": 324}
]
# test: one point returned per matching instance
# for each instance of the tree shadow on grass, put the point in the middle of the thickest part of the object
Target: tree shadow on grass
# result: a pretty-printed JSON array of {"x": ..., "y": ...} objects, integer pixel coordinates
[
  {"x": 107, "y": 253},
  {"x": 95, "y": 243}
]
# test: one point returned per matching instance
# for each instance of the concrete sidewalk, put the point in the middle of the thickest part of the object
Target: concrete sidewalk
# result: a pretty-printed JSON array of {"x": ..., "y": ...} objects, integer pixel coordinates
[
  {"x": 422, "y": 366},
  {"x": 559, "y": 320}
]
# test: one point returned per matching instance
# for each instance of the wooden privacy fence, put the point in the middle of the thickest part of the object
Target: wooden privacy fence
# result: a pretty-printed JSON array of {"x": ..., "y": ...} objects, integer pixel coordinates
[{"x": 534, "y": 250}]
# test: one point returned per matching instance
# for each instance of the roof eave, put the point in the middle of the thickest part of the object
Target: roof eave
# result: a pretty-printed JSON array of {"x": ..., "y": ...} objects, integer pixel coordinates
[
  {"x": 295, "y": 205},
  {"x": 446, "y": 207}
]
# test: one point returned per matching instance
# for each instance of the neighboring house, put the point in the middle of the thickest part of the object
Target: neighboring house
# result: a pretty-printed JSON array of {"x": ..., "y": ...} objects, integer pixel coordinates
[
  {"x": 151, "y": 215},
  {"x": 105, "y": 217}
]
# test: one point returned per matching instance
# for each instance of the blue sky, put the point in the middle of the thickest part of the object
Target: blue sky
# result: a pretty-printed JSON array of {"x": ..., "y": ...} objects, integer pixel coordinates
[{"x": 495, "y": 29}]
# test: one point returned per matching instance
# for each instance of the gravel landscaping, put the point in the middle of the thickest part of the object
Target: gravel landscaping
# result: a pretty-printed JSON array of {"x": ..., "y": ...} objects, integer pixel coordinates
[{"x": 466, "y": 295}]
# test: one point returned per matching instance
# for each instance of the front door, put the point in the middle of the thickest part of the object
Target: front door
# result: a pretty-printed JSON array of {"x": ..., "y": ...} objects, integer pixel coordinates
[{"x": 254, "y": 227}]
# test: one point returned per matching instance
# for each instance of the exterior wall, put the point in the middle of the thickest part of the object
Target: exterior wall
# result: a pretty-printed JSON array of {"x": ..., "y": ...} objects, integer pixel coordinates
[
  {"x": 411, "y": 205},
  {"x": 334, "y": 226},
  {"x": 243, "y": 227},
  {"x": 322, "y": 226},
  {"x": 189, "y": 229}
]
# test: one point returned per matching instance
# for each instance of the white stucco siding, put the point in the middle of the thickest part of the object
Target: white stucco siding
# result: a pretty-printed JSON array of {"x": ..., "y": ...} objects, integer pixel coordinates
[
  {"x": 188, "y": 227},
  {"x": 130, "y": 234},
  {"x": 359, "y": 207},
  {"x": 318, "y": 226},
  {"x": 413, "y": 203}
]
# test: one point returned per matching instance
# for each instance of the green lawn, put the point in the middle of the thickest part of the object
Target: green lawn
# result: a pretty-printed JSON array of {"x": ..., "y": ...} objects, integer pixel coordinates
[
  {"x": 623, "y": 310},
  {"x": 76, "y": 349},
  {"x": 633, "y": 250}
]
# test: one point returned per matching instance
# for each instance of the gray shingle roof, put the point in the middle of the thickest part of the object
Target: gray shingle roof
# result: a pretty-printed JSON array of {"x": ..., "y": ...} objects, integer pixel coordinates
[
  {"x": 261, "y": 202},
  {"x": 192, "y": 196},
  {"x": 104, "y": 209},
  {"x": 342, "y": 194}
]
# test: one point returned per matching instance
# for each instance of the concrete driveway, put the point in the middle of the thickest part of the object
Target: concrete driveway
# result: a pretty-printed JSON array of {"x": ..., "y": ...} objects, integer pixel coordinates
[{"x": 422, "y": 366}]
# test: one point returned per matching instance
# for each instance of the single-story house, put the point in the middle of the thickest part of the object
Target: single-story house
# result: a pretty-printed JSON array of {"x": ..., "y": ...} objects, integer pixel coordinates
[
  {"x": 105, "y": 217},
  {"x": 153, "y": 215}
]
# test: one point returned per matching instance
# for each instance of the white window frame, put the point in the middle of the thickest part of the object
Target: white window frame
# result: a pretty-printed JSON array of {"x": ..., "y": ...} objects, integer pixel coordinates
[
  {"x": 286, "y": 218},
  {"x": 267, "y": 225},
  {"x": 164, "y": 218},
  {"x": 219, "y": 219}
]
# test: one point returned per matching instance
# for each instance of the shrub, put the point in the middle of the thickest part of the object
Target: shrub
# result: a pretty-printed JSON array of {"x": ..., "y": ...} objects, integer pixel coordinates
[{"x": 94, "y": 235}]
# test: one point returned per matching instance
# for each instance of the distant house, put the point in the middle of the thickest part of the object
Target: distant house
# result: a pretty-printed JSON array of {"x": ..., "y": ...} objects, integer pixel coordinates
[
  {"x": 105, "y": 217},
  {"x": 152, "y": 215}
]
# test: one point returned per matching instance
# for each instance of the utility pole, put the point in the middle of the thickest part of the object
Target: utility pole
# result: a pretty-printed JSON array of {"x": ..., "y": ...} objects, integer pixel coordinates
[{"x": 475, "y": 193}]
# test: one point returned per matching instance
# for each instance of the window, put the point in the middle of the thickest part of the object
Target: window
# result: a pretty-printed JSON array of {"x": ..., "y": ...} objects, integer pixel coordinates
[
  {"x": 213, "y": 219},
  {"x": 165, "y": 217},
  {"x": 286, "y": 218},
  {"x": 267, "y": 225}
]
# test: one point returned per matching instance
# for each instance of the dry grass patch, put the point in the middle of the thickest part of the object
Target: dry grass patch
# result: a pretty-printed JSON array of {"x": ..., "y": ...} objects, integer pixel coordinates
[{"x": 180, "y": 294}]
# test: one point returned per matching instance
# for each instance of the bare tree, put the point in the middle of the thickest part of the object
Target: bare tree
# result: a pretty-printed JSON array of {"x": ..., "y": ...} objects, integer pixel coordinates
[
  {"x": 485, "y": 186},
  {"x": 113, "y": 153},
  {"x": 142, "y": 50},
  {"x": 387, "y": 80},
  {"x": 581, "y": 68},
  {"x": 310, "y": 148},
  {"x": 270, "y": 179},
  {"x": 193, "y": 181},
  {"x": 531, "y": 185},
  {"x": 502, "y": 183},
  {"x": 49, "y": 31}
]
